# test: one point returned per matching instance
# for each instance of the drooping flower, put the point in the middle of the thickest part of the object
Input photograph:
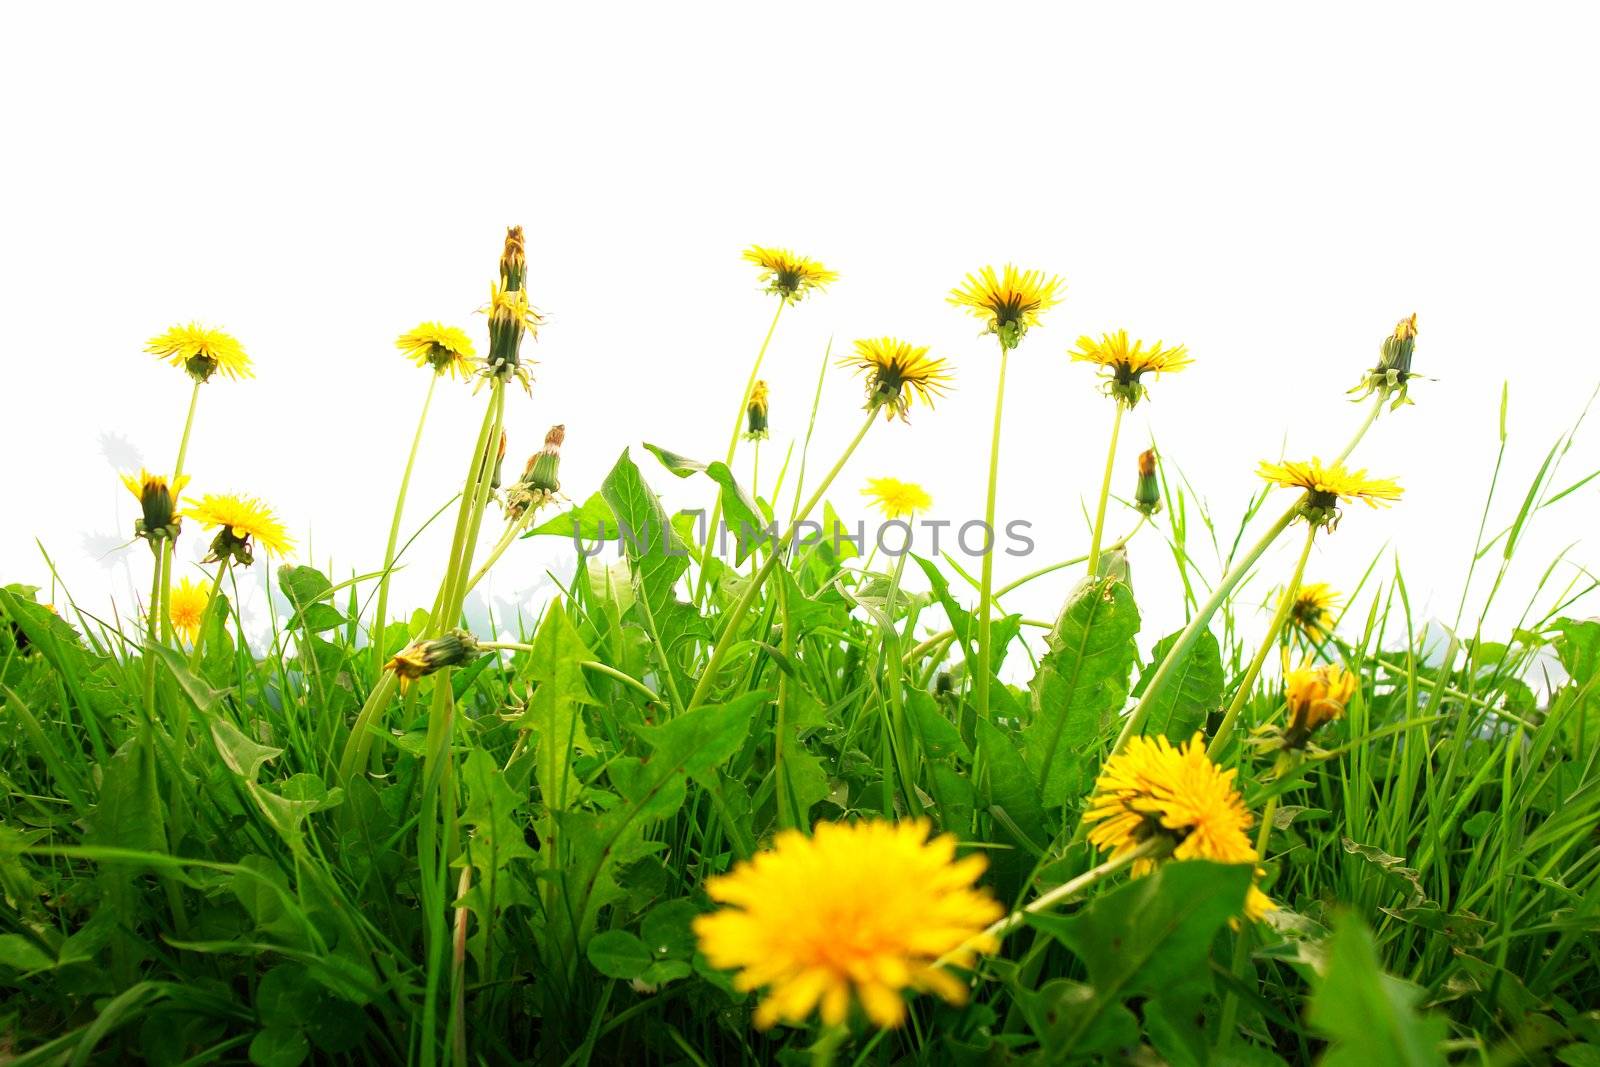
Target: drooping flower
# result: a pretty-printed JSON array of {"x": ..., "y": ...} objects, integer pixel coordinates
[
  {"x": 446, "y": 349},
  {"x": 787, "y": 274},
  {"x": 1326, "y": 486},
  {"x": 1009, "y": 302},
  {"x": 1316, "y": 696},
  {"x": 1312, "y": 610},
  {"x": 239, "y": 521},
  {"x": 1123, "y": 363},
  {"x": 857, "y": 912},
  {"x": 420, "y": 658},
  {"x": 756, "y": 413},
  {"x": 897, "y": 372},
  {"x": 201, "y": 351},
  {"x": 187, "y": 609},
  {"x": 897, "y": 499},
  {"x": 158, "y": 505},
  {"x": 1153, "y": 789}
]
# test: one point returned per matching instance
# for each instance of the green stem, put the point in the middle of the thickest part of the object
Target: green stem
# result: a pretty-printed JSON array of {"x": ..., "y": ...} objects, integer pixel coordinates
[
  {"x": 168, "y": 544},
  {"x": 154, "y": 617},
  {"x": 1105, "y": 491},
  {"x": 1242, "y": 694},
  {"x": 980, "y": 681},
  {"x": 205, "y": 616},
  {"x": 380, "y": 618},
  {"x": 737, "y": 613},
  {"x": 1120, "y": 543},
  {"x": 513, "y": 528}
]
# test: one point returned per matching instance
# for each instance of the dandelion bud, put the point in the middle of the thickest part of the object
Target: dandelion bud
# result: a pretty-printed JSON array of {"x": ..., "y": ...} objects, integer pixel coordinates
[
  {"x": 420, "y": 658},
  {"x": 544, "y": 469},
  {"x": 510, "y": 314},
  {"x": 1398, "y": 346},
  {"x": 1147, "y": 495},
  {"x": 756, "y": 413},
  {"x": 514, "y": 260},
  {"x": 499, "y": 461},
  {"x": 1316, "y": 695},
  {"x": 158, "y": 504}
]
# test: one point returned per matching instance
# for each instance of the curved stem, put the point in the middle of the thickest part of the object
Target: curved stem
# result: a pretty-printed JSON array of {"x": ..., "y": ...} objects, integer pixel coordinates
[
  {"x": 980, "y": 681},
  {"x": 1236, "y": 705},
  {"x": 1361, "y": 431},
  {"x": 1121, "y": 542},
  {"x": 380, "y": 618},
  {"x": 1105, "y": 491},
  {"x": 737, "y": 613},
  {"x": 513, "y": 528}
]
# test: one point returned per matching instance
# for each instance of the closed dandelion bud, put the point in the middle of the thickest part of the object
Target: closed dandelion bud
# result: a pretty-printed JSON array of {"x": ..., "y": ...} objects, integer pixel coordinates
[
  {"x": 1147, "y": 495},
  {"x": 514, "y": 259},
  {"x": 499, "y": 461},
  {"x": 544, "y": 469},
  {"x": 756, "y": 413},
  {"x": 1393, "y": 371},
  {"x": 421, "y": 658},
  {"x": 510, "y": 314},
  {"x": 158, "y": 506},
  {"x": 1316, "y": 696}
]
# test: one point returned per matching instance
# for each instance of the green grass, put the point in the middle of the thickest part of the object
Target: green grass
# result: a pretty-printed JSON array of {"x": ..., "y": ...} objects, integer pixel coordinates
[{"x": 507, "y": 868}]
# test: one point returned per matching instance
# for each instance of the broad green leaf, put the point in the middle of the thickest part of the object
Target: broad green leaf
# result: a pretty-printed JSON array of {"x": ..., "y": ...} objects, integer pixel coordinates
[
  {"x": 1370, "y": 1018},
  {"x": 619, "y": 954},
  {"x": 279, "y": 1046},
  {"x": 20, "y": 953},
  {"x": 1081, "y": 685},
  {"x": 652, "y": 546},
  {"x": 1020, "y": 821},
  {"x": 740, "y": 513},
  {"x": 1191, "y": 692},
  {"x": 938, "y": 736},
  {"x": 591, "y": 520},
  {"x": 243, "y": 756},
  {"x": 682, "y": 466},
  {"x": 554, "y": 713},
  {"x": 666, "y": 930}
]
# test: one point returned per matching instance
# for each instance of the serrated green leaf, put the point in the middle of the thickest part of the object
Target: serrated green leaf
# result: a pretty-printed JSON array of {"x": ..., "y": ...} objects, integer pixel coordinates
[
  {"x": 1369, "y": 1017},
  {"x": 1191, "y": 692}
]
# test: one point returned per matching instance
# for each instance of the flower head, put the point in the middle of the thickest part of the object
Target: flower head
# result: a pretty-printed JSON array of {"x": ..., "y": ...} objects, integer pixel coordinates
[
  {"x": 158, "y": 505},
  {"x": 188, "y": 607},
  {"x": 898, "y": 371},
  {"x": 1393, "y": 372},
  {"x": 1123, "y": 362},
  {"x": 788, "y": 275},
  {"x": 449, "y": 649},
  {"x": 444, "y": 348},
  {"x": 858, "y": 911},
  {"x": 201, "y": 351},
  {"x": 1009, "y": 302},
  {"x": 756, "y": 413},
  {"x": 1316, "y": 696},
  {"x": 1152, "y": 789},
  {"x": 239, "y": 521},
  {"x": 1326, "y": 486},
  {"x": 510, "y": 314},
  {"x": 1312, "y": 610},
  {"x": 541, "y": 477},
  {"x": 897, "y": 499}
]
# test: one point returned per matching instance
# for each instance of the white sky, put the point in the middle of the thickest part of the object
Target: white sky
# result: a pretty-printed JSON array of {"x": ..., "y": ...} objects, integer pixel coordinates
[{"x": 1273, "y": 185}]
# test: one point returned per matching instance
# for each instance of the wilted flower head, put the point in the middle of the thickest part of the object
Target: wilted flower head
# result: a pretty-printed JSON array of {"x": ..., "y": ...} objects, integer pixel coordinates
[
  {"x": 158, "y": 505},
  {"x": 420, "y": 658},
  {"x": 201, "y": 351},
  {"x": 1393, "y": 372},
  {"x": 1152, "y": 789},
  {"x": 860, "y": 911},
  {"x": 897, "y": 499},
  {"x": 788, "y": 275},
  {"x": 541, "y": 478},
  {"x": 1147, "y": 493},
  {"x": 1123, "y": 362},
  {"x": 1316, "y": 695},
  {"x": 1312, "y": 610},
  {"x": 239, "y": 521},
  {"x": 1326, "y": 486},
  {"x": 1009, "y": 302},
  {"x": 756, "y": 413},
  {"x": 187, "y": 609},
  {"x": 897, "y": 371},
  {"x": 446, "y": 349}
]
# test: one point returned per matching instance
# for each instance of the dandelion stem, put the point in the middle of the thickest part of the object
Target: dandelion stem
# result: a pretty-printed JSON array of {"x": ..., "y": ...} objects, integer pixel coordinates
[
  {"x": 1105, "y": 491},
  {"x": 1236, "y": 705},
  {"x": 737, "y": 613},
  {"x": 380, "y": 618},
  {"x": 513, "y": 528},
  {"x": 980, "y": 682},
  {"x": 168, "y": 544}
]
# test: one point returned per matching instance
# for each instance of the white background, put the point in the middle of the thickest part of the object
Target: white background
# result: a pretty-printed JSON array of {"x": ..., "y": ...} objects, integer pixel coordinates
[{"x": 1273, "y": 185}]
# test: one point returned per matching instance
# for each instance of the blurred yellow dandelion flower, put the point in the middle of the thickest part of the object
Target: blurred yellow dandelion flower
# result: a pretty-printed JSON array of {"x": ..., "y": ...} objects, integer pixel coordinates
[
  {"x": 201, "y": 351},
  {"x": 444, "y": 348},
  {"x": 858, "y": 911},
  {"x": 188, "y": 607},
  {"x": 1011, "y": 301},
  {"x": 787, "y": 274},
  {"x": 158, "y": 504},
  {"x": 1124, "y": 362},
  {"x": 1153, "y": 789},
  {"x": 1312, "y": 610},
  {"x": 1326, "y": 486},
  {"x": 897, "y": 499},
  {"x": 239, "y": 521},
  {"x": 1316, "y": 696},
  {"x": 897, "y": 372}
]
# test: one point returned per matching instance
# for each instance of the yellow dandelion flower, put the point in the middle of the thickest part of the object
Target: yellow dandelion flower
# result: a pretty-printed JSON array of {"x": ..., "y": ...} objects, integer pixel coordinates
[
  {"x": 1312, "y": 610},
  {"x": 897, "y": 372},
  {"x": 240, "y": 520},
  {"x": 1326, "y": 486},
  {"x": 897, "y": 499},
  {"x": 1316, "y": 696},
  {"x": 1153, "y": 789},
  {"x": 787, "y": 274},
  {"x": 1124, "y": 362},
  {"x": 188, "y": 607},
  {"x": 1009, "y": 302},
  {"x": 158, "y": 504},
  {"x": 858, "y": 912},
  {"x": 201, "y": 351},
  {"x": 444, "y": 348}
]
